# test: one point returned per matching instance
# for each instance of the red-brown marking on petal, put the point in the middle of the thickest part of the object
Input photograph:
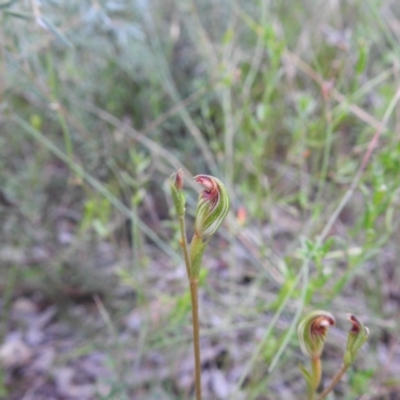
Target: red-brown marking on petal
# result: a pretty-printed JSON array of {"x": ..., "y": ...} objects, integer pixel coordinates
[
  {"x": 320, "y": 325},
  {"x": 211, "y": 191},
  {"x": 355, "y": 324},
  {"x": 179, "y": 180}
]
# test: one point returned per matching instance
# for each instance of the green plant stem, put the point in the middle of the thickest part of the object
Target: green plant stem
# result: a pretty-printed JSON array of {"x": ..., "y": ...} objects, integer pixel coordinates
[
  {"x": 316, "y": 374},
  {"x": 194, "y": 284},
  {"x": 194, "y": 297},
  {"x": 184, "y": 245},
  {"x": 334, "y": 381},
  {"x": 311, "y": 393}
]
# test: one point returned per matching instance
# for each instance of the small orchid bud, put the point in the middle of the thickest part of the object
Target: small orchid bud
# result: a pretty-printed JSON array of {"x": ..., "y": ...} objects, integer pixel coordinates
[
  {"x": 176, "y": 184},
  {"x": 212, "y": 207},
  {"x": 357, "y": 336},
  {"x": 312, "y": 332}
]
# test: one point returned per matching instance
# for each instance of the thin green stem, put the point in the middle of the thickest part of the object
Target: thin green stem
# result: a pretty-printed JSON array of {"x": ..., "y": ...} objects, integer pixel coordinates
[
  {"x": 311, "y": 393},
  {"x": 302, "y": 302},
  {"x": 333, "y": 382},
  {"x": 316, "y": 374},
  {"x": 194, "y": 283},
  {"x": 327, "y": 148},
  {"x": 184, "y": 245},
  {"x": 197, "y": 247}
]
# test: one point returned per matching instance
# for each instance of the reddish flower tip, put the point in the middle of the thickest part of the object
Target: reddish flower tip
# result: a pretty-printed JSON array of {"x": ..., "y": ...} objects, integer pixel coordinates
[
  {"x": 179, "y": 180},
  {"x": 356, "y": 324},
  {"x": 320, "y": 325},
  {"x": 211, "y": 190},
  {"x": 212, "y": 207}
]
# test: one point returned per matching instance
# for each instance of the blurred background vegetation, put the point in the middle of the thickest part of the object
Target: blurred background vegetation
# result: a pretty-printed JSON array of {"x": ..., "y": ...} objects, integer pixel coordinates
[{"x": 294, "y": 105}]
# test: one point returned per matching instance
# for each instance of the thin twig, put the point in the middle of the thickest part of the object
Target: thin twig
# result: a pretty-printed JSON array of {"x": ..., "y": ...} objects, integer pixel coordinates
[{"x": 333, "y": 382}]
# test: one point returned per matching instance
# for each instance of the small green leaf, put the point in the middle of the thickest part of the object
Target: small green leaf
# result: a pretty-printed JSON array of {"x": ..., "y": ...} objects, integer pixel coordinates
[
  {"x": 362, "y": 58},
  {"x": 197, "y": 259},
  {"x": 228, "y": 36},
  {"x": 306, "y": 374},
  {"x": 309, "y": 380}
]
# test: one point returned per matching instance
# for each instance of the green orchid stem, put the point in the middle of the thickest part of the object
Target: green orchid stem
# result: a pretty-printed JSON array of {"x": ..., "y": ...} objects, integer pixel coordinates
[
  {"x": 316, "y": 372},
  {"x": 212, "y": 208},
  {"x": 194, "y": 297},
  {"x": 197, "y": 247},
  {"x": 334, "y": 381},
  {"x": 194, "y": 284},
  {"x": 184, "y": 245}
]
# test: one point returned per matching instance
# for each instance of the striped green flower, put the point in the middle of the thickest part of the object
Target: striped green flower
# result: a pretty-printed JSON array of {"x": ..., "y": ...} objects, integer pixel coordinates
[
  {"x": 312, "y": 332},
  {"x": 176, "y": 185},
  {"x": 212, "y": 207},
  {"x": 357, "y": 336}
]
